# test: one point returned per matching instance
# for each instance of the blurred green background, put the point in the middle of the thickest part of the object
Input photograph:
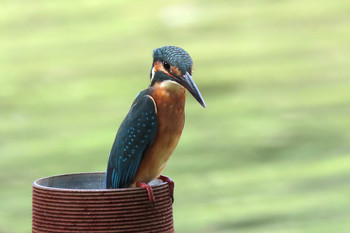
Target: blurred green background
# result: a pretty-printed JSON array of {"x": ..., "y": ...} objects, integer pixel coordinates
[{"x": 269, "y": 154}]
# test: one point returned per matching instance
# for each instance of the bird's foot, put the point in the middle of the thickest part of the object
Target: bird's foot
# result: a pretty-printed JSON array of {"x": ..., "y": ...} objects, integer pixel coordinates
[
  {"x": 171, "y": 185},
  {"x": 149, "y": 192}
]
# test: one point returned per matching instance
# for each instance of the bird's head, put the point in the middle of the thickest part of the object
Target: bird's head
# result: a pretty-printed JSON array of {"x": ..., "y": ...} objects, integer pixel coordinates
[{"x": 174, "y": 64}]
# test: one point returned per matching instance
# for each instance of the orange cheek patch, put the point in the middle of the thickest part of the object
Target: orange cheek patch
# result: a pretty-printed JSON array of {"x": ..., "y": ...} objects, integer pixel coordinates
[
  {"x": 174, "y": 71},
  {"x": 158, "y": 66}
]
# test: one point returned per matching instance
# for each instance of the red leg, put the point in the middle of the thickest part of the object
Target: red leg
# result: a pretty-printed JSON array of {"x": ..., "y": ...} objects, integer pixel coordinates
[
  {"x": 171, "y": 185},
  {"x": 149, "y": 191}
]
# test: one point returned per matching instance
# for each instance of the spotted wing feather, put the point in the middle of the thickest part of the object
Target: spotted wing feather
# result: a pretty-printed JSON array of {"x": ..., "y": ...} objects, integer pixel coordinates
[{"x": 135, "y": 134}]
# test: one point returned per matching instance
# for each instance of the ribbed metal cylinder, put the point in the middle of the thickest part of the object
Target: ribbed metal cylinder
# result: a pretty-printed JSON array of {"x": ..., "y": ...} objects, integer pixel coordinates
[{"x": 79, "y": 203}]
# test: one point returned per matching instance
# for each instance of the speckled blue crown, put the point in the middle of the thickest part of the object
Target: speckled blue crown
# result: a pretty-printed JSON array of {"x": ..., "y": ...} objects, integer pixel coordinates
[{"x": 175, "y": 56}]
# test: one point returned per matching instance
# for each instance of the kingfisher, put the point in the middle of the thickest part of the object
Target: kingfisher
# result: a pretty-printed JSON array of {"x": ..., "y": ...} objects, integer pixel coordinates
[{"x": 152, "y": 128}]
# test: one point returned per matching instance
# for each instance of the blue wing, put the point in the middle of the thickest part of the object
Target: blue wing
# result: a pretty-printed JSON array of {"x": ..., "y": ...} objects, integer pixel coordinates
[{"x": 135, "y": 134}]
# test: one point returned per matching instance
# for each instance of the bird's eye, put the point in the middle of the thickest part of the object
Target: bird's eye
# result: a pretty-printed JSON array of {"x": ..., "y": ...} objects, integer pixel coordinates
[{"x": 166, "y": 65}]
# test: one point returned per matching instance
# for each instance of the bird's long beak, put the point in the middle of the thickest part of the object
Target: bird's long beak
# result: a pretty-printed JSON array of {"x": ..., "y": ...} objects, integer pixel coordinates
[{"x": 187, "y": 82}]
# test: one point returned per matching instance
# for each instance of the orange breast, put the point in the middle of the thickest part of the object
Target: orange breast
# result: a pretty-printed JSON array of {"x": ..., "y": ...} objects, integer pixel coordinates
[{"x": 170, "y": 102}]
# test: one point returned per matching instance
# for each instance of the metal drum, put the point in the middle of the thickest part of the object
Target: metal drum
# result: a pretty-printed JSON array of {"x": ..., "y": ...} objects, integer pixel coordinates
[{"x": 79, "y": 203}]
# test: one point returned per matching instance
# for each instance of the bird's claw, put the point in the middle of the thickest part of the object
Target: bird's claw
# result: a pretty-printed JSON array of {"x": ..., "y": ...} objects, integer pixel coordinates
[
  {"x": 149, "y": 192},
  {"x": 171, "y": 185},
  {"x": 149, "y": 189}
]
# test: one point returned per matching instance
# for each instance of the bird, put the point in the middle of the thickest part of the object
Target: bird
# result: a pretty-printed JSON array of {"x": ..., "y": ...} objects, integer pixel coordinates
[{"x": 151, "y": 130}]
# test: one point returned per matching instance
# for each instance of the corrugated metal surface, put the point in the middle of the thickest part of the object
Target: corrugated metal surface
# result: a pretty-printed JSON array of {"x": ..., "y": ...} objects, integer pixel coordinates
[{"x": 67, "y": 209}]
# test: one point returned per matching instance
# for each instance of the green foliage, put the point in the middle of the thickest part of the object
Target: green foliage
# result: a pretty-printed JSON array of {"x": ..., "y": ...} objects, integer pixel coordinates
[{"x": 269, "y": 154}]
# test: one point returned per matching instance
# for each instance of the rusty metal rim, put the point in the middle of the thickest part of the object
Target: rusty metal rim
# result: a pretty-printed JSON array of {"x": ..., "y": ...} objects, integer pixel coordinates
[
  {"x": 94, "y": 192},
  {"x": 36, "y": 185},
  {"x": 91, "y": 193},
  {"x": 65, "y": 196},
  {"x": 87, "y": 192}
]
